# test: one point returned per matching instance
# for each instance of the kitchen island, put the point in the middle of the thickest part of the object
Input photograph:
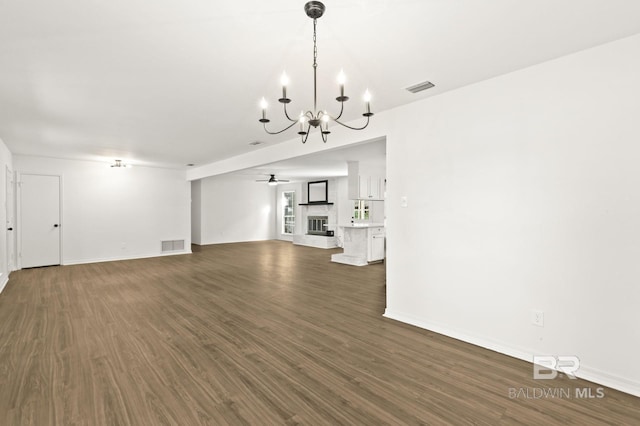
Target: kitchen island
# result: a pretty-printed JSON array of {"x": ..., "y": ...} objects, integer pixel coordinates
[{"x": 363, "y": 244}]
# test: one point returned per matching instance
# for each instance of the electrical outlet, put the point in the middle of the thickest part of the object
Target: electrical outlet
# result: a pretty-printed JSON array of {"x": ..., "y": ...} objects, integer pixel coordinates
[
  {"x": 537, "y": 318},
  {"x": 403, "y": 201}
]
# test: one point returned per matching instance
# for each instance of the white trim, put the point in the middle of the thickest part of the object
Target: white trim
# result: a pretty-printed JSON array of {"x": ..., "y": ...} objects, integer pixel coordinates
[
  {"x": 610, "y": 380},
  {"x": 585, "y": 372},
  {"x": 61, "y": 220},
  {"x": 10, "y": 208},
  {"x": 283, "y": 216},
  {"x": 17, "y": 221},
  {"x": 460, "y": 335},
  {"x": 4, "y": 279},
  {"x": 115, "y": 259}
]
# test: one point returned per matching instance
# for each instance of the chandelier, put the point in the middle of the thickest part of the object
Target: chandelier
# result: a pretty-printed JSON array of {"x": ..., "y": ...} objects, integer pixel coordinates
[{"x": 314, "y": 118}]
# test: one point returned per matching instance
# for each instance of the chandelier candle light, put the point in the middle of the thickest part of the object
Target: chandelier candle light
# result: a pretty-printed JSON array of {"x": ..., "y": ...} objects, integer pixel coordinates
[{"x": 314, "y": 118}]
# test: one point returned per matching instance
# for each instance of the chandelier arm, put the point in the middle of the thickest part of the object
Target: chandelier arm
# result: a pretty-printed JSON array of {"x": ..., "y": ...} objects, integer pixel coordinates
[
  {"x": 277, "y": 133},
  {"x": 287, "y": 114},
  {"x": 304, "y": 139},
  {"x": 341, "y": 111},
  {"x": 352, "y": 128}
]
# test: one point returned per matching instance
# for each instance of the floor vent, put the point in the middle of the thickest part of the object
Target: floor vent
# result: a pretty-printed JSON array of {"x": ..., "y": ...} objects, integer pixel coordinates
[
  {"x": 420, "y": 87},
  {"x": 172, "y": 245}
]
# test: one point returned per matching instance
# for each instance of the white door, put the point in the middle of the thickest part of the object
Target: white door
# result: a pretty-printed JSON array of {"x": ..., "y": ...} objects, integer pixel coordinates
[
  {"x": 10, "y": 221},
  {"x": 39, "y": 220}
]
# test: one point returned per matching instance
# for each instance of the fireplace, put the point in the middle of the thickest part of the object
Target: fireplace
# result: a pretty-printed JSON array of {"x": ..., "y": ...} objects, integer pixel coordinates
[{"x": 317, "y": 225}]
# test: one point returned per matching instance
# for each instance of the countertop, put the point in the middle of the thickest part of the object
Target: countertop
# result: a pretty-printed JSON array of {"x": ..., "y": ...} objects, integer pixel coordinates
[{"x": 362, "y": 225}]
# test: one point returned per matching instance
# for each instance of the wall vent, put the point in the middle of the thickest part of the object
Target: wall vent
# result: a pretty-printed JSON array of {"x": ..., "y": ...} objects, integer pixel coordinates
[
  {"x": 172, "y": 245},
  {"x": 420, "y": 87}
]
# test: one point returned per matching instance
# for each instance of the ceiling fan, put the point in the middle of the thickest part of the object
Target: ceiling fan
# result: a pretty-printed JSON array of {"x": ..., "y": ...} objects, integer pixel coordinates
[{"x": 272, "y": 180}]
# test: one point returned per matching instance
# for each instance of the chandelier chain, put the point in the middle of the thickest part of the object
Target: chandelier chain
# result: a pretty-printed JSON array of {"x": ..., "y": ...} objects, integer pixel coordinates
[
  {"x": 315, "y": 69},
  {"x": 315, "y": 45}
]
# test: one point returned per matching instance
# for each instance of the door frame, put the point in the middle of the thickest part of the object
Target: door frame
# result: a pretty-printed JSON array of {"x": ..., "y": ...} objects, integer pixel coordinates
[
  {"x": 18, "y": 218},
  {"x": 10, "y": 206}
]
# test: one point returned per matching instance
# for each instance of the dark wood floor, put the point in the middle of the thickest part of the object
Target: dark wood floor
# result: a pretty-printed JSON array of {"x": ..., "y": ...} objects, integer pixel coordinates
[{"x": 251, "y": 333}]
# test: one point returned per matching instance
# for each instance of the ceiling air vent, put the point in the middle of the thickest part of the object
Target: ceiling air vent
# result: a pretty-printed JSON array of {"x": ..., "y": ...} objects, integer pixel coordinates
[{"x": 420, "y": 87}]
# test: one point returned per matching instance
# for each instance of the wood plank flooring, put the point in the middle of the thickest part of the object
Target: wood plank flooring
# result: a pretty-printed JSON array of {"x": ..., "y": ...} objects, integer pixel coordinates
[{"x": 261, "y": 333}]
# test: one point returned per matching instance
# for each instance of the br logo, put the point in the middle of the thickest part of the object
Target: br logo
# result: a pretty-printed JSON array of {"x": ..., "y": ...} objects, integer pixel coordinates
[{"x": 547, "y": 367}]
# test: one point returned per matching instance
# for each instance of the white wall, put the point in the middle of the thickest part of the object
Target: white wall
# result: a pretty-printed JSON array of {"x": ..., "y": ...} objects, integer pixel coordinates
[
  {"x": 523, "y": 194},
  {"x": 5, "y": 161},
  {"x": 110, "y": 214},
  {"x": 196, "y": 212},
  {"x": 344, "y": 207},
  {"x": 236, "y": 208}
]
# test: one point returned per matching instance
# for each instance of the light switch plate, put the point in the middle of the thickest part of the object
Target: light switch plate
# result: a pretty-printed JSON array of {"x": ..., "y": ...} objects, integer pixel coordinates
[{"x": 403, "y": 201}]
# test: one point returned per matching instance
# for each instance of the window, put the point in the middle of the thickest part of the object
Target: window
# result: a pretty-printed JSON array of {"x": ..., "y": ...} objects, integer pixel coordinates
[
  {"x": 288, "y": 212},
  {"x": 361, "y": 210}
]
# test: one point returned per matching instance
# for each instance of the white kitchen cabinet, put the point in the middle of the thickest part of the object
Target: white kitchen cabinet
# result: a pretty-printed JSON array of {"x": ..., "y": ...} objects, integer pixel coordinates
[
  {"x": 376, "y": 188},
  {"x": 376, "y": 245},
  {"x": 363, "y": 185},
  {"x": 363, "y": 188},
  {"x": 370, "y": 188}
]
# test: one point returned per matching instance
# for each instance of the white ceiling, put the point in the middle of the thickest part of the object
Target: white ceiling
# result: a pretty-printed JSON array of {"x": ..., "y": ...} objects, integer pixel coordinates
[{"x": 167, "y": 83}]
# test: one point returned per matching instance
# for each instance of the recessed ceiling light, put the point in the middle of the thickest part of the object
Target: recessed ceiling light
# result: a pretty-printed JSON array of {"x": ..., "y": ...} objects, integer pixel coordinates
[
  {"x": 254, "y": 143},
  {"x": 420, "y": 87},
  {"x": 190, "y": 165}
]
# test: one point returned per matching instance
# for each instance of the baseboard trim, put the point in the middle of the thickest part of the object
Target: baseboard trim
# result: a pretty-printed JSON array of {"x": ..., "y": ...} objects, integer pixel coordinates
[
  {"x": 590, "y": 374},
  {"x": 609, "y": 380},
  {"x": 4, "y": 279},
  {"x": 456, "y": 334},
  {"x": 115, "y": 259}
]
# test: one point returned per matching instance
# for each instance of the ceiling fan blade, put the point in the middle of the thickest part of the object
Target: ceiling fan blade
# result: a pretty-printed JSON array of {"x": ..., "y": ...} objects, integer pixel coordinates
[{"x": 273, "y": 180}]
